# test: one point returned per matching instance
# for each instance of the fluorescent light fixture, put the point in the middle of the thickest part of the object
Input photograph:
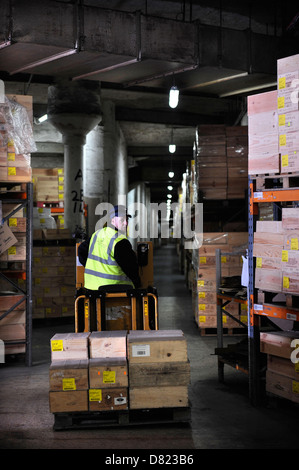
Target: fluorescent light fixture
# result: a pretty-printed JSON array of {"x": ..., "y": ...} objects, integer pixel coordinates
[
  {"x": 169, "y": 196},
  {"x": 249, "y": 89},
  {"x": 172, "y": 148},
  {"x": 43, "y": 118},
  {"x": 171, "y": 174},
  {"x": 170, "y": 188},
  {"x": 173, "y": 97}
]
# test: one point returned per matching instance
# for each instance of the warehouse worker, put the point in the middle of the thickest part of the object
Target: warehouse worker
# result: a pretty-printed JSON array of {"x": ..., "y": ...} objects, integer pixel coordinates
[{"x": 111, "y": 259}]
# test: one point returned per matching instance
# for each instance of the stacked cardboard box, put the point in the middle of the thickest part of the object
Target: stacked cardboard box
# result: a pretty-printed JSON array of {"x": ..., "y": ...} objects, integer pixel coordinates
[
  {"x": 68, "y": 374},
  {"x": 282, "y": 375},
  {"x": 288, "y": 113},
  {"x": 108, "y": 371},
  {"x": 159, "y": 370},
  {"x": 275, "y": 248},
  {"x": 204, "y": 290},
  {"x": 54, "y": 281},
  {"x": 263, "y": 151}
]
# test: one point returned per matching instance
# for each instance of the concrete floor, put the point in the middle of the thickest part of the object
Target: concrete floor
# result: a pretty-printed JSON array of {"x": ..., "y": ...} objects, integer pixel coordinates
[{"x": 222, "y": 416}]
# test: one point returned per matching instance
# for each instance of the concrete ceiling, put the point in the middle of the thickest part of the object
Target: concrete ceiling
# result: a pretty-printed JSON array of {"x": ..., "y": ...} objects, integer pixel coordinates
[{"x": 216, "y": 52}]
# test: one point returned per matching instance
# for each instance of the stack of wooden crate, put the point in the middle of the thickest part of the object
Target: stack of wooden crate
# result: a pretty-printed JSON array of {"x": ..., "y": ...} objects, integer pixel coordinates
[
  {"x": 288, "y": 113},
  {"x": 118, "y": 370},
  {"x": 282, "y": 375},
  {"x": 221, "y": 161},
  {"x": 54, "y": 281},
  {"x": 263, "y": 151},
  {"x": 275, "y": 248},
  {"x": 159, "y": 370},
  {"x": 14, "y": 166},
  {"x": 48, "y": 184},
  {"x": 108, "y": 371},
  {"x": 68, "y": 374},
  {"x": 204, "y": 290}
]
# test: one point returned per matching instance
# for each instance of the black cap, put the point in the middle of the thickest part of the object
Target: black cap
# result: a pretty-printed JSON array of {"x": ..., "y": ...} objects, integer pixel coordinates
[{"x": 118, "y": 211}]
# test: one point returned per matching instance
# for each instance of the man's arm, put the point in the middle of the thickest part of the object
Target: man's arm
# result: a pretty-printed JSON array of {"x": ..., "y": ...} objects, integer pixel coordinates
[{"x": 127, "y": 260}]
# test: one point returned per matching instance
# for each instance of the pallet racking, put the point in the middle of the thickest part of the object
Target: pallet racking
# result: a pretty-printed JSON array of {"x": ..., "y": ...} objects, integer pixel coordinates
[
  {"x": 258, "y": 310},
  {"x": 23, "y": 199}
]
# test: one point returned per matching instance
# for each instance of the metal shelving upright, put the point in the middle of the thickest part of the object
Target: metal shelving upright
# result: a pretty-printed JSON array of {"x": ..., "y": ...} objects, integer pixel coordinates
[
  {"x": 24, "y": 199},
  {"x": 257, "y": 310}
]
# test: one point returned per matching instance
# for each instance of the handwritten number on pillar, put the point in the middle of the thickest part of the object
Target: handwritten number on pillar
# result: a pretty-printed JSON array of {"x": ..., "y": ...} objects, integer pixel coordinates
[{"x": 78, "y": 201}]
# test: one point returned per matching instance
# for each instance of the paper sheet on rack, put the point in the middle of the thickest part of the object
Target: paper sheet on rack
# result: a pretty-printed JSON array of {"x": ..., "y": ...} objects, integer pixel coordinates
[{"x": 7, "y": 238}]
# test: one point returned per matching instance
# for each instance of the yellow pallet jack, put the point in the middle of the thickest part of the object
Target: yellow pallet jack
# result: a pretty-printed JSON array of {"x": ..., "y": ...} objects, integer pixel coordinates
[{"x": 117, "y": 308}]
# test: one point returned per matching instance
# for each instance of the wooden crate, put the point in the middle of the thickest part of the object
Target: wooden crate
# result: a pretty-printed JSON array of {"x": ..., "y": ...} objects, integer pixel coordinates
[
  {"x": 68, "y": 375},
  {"x": 278, "y": 343},
  {"x": 156, "y": 346},
  {"x": 69, "y": 401},
  {"x": 69, "y": 346},
  {"x": 103, "y": 399},
  {"x": 282, "y": 386},
  {"x": 159, "y": 374},
  {"x": 108, "y": 372},
  {"x": 104, "y": 344},
  {"x": 158, "y": 397}
]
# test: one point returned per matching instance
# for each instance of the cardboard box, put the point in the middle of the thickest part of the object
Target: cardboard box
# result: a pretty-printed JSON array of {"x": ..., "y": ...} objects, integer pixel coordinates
[{"x": 69, "y": 375}]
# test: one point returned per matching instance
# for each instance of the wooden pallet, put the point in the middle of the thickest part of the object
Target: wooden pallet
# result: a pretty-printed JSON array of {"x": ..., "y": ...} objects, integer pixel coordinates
[
  {"x": 276, "y": 181},
  {"x": 88, "y": 420}
]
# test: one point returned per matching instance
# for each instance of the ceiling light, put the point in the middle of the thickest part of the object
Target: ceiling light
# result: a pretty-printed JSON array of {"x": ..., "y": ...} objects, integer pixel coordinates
[
  {"x": 171, "y": 174},
  {"x": 173, "y": 97},
  {"x": 170, "y": 188},
  {"x": 172, "y": 148},
  {"x": 43, "y": 118},
  {"x": 169, "y": 196}
]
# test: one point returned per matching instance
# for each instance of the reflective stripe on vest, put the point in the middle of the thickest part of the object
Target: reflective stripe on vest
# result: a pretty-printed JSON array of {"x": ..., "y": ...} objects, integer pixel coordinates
[{"x": 102, "y": 269}]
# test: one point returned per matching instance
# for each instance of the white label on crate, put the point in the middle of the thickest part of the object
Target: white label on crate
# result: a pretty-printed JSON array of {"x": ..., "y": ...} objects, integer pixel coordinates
[
  {"x": 120, "y": 401},
  {"x": 141, "y": 350},
  {"x": 258, "y": 307},
  {"x": 291, "y": 316}
]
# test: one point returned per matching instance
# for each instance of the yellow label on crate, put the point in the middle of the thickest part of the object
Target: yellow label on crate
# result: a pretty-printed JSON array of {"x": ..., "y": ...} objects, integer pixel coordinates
[
  {"x": 39, "y": 301},
  {"x": 60, "y": 171},
  {"x": 48, "y": 310},
  {"x": 65, "y": 309},
  {"x": 57, "y": 345},
  {"x": 13, "y": 222},
  {"x": 243, "y": 318},
  {"x": 280, "y": 102},
  {"x": 281, "y": 83},
  {"x": 60, "y": 187},
  {"x": 284, "y": 160},
  {"x": 45, "y": 249},
  {"x": 282, "y": 139},
  {"x": 63, "y": 290},
  {"x": 202, "y": 319},
  {"x": 201, "y": 307},
  {"x": 68, "y": 384},
  {"x": 295, "y": 386},
  {"x": 36, "y": 260},
  {"x": 95, "y": 394},
  {"x": 294, "y": 243},
  {"x": 244, "y": 307},
  {"x": 297, "y": 366},
  {"x": 11, "y": 157},
  {"x": 223, "y": 259},
  {"x": 109, "y": 377},
  {"x": 40, "y": 210},
  {"x": 282, "y": 119},
  {"x": 60, "y": 179},
  {"x": 61, "y": 269},
  {"x": 37, "y": 281},
  {"x": 201, "y": 283},
  {"x": 285, "y": 256},
  {"x": 12, "y": 250},
  {"x": 44, "y": 269},
  {"x": 224, "y": 318},
  {"x": 286, "y": 282},
  {"x": 202, "y": 295},
  {"x": 46, "y": 290},
  {"x": 10, "y": 143},
  {"x": 202, "y": 259},
  {"x": 60, "y": 195},
  {"x": 258, "y": 262},
  {"x": 11, "y": 171}
]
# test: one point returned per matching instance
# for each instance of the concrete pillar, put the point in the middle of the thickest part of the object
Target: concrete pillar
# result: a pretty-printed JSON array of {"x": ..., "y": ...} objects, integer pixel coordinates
[
  {"x": 74, "y": 109},
  {"x": 105, "y": 165}
]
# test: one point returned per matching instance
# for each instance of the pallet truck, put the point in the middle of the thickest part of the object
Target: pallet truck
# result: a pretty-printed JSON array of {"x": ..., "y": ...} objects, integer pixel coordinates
[{"x": 115, "y": 307}]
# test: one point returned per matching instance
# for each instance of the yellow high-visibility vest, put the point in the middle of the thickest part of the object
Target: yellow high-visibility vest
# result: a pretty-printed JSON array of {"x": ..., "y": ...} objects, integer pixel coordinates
[{"x": 101, "y": 267}]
